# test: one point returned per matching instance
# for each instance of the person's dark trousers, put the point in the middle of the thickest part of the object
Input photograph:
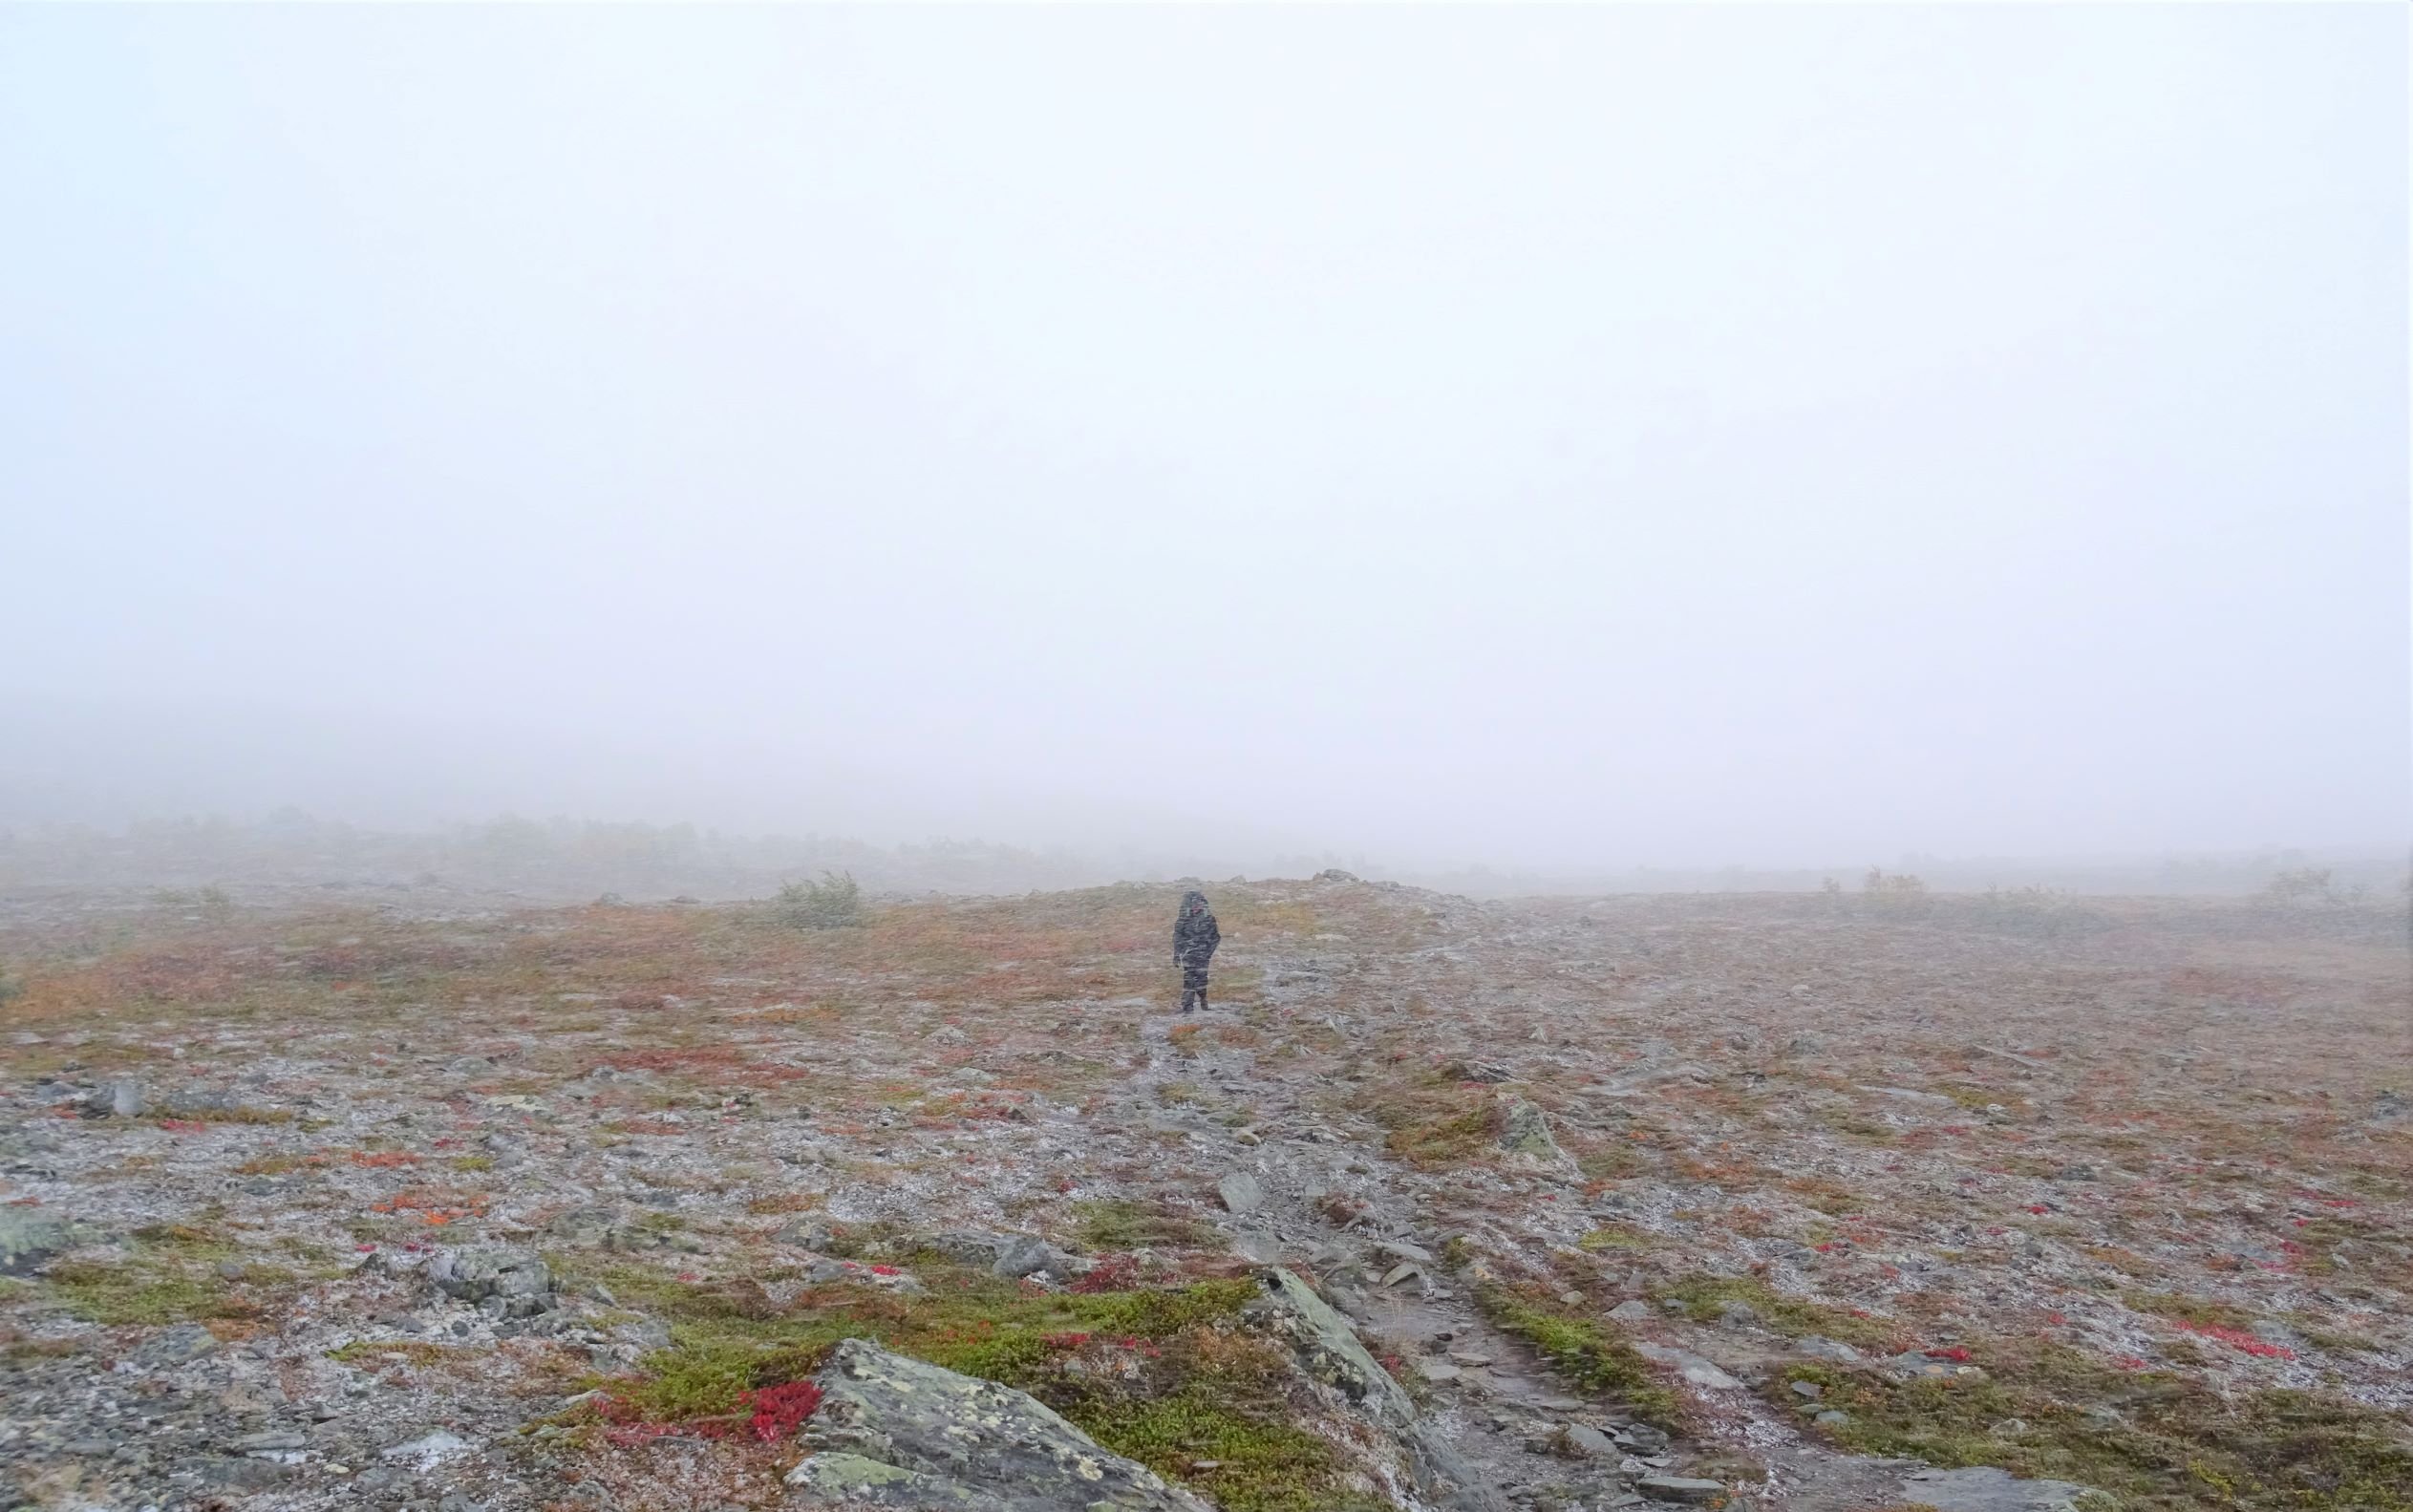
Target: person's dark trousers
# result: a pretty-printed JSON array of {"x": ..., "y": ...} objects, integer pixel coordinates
[{"x": 1193, "y": 985}]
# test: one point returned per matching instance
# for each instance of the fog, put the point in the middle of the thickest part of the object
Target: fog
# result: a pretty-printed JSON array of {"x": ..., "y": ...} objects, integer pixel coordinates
[{"x": 1548, "y": 438}]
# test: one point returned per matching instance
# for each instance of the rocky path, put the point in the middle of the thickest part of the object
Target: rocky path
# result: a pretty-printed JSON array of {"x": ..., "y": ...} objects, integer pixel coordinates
[{"x": 1487, "y": 1392}]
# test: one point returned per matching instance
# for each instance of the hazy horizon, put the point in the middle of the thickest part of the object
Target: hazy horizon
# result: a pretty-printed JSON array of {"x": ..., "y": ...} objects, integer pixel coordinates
[{"x": 1545, "y": 437}]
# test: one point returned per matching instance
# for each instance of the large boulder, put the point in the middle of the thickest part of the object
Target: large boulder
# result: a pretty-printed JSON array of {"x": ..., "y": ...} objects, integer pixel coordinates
[
  {"x": 897, "y": 1432},
  {"x": 516, "y": 1279}
]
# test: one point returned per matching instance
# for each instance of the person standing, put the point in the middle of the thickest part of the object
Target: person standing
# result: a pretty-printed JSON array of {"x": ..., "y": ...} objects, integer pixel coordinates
[{"x": 1195, "y": 937}]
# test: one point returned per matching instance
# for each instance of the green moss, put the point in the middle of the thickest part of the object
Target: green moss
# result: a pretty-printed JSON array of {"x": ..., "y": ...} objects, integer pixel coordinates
[
  {"x": 2158, "y": 1443},
  {"x": 116, "y": 1296},
  {"x": 1260, "y": 1463},
  {"x": 1588, "y": 1356},
  {"x": 416, "y": 1351},
  {"x": 1705, "y": 1297},
  {"x": 1118, "y": 1224},
  {"x": 1612, "y": 1236},
  {"x": 1447, "y": 1137}
]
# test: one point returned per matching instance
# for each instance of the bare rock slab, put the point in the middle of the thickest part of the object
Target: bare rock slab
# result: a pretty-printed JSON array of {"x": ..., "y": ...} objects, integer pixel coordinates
[
  {"x": 1239, "y": 1193},
  {"x": 1989, "y": 1488},
  {"x": 896, "y": 1431}
]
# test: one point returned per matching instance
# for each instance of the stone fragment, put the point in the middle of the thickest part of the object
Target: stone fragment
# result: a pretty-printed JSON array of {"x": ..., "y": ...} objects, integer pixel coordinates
[
  {"x": 1239, "y": 1193},
  {"x": 1687, "y": 1489}
]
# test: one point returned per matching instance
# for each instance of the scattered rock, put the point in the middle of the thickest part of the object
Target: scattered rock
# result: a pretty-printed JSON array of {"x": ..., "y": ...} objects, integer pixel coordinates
[
  {"x": 1577, "y": 1441},
  {"x": 896, "y": 1431},
  {"x": 1632, "y": 1311}
]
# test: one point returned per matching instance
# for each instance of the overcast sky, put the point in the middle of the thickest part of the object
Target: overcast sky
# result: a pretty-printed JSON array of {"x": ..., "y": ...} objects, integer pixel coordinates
[{"x": 1540, "y": 437}]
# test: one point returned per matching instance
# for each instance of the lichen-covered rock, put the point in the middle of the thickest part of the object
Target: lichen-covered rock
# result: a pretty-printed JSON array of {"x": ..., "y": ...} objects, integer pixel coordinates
[
  {"x": 897, "y": 1432},
  {"x": 1327, "y": 1348},
  {"x": 1526, "y": 1130},
  {"x": 520, "y": 1277},
  {"x": 29, "y": 1237}
]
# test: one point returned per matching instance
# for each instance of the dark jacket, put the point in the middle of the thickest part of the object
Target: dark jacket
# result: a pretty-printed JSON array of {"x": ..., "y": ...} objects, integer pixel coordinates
[{"x": 1195, "y": 935}]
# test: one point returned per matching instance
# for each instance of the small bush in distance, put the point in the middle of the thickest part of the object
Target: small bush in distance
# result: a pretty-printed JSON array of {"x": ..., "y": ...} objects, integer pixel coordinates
[{"x": 832, "y": 903}]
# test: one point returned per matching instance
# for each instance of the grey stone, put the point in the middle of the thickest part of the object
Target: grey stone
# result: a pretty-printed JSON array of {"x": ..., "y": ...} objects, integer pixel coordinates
[
  {"x": 969, "y": 1246},
  {"x": 29, "y": 1237},
  {"x": 1818, "y": 1348},
  {"x": 427, "y": 1450},
  {"x": 806, "y": 1233},
  {"x": 1832, "y": 1417},
  {"x": 518, "y": 1278},
  {"x": 1578, "y": 1441},
  {"x": 1026, "y": 1255},
  {"x": 1809, "y": 1388},
  {"x": 270, "y": 1442},
  {"x": 1437, "y": 1372},
  {"x": 583, "y": 1227},
  {"x": 180, "y": 1345},
  {"x": 1692, "y": 1367},
  {"x": 1680, "y": 1488},
  {"x": 896, "y": 1431},
  {"x": 242, "y": 1473},
  {"x": 1989, "y": 1488},
  {"x": 1632, "y": 1311},
  {"x": 1240, "y": 1192},
  {"x": 1643, "y": 1438}
]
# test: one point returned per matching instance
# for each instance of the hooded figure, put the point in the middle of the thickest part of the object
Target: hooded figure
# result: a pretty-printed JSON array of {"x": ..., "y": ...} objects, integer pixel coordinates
[{"x": 1195, "y": 937}]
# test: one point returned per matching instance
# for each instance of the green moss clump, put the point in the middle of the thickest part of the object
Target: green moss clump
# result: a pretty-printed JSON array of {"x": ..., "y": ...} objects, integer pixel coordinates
[
  {"x": 123, "y": 1295},
  {"x": 1591, "y": 1358},
  {"x": 2156, "y": 1441},
  {"x": 1613, "y": 1237},
  {"x": 1704, "y": 1297},
  {"x": 1115, "y": 1223}
]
